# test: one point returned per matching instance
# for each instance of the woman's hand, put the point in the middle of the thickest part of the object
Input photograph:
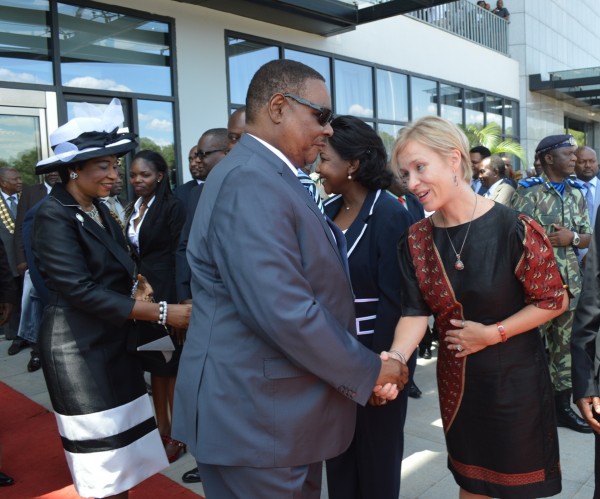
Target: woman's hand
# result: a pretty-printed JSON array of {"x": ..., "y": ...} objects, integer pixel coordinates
[
  {"x": 376, "y": 401},
  {"x": 144, "y": 291},
  {"x": 178, "y": 316},
  {"x": 470, "y": 337}
]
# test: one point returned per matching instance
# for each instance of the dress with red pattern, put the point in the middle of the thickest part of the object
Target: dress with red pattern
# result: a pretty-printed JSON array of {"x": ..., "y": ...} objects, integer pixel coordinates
[{"x": 497, "y": 404}]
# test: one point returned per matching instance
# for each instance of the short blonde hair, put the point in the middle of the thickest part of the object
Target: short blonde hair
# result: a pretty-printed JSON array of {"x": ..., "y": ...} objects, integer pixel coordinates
[{"x": 440, "y": 135}]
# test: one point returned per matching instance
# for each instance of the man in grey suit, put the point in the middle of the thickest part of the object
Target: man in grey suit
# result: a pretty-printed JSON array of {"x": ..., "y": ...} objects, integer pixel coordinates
[
  {"x": 492, "y": 174},
  {"x": 270, "y": 371}
]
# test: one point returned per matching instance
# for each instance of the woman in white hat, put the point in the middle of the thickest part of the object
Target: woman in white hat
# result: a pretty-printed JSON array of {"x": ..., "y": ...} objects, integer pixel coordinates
[{"x": 96, "y": 385}]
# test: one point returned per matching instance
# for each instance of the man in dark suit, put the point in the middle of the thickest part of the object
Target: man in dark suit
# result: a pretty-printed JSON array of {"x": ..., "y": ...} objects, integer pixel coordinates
[
  {"x": 31, "y": 307},
  {"x": 270, "y": 370},
  {"x": 11, "y": 186},
  {"x": 585, "y": 348},
  {"x": 183, "y": 191}
]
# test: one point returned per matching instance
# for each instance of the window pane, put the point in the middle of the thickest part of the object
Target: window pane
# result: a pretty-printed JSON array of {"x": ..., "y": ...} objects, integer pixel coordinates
[
  {"x": 20, "y": 145},
  {"x": 244, "y": 59},
  {"x": 25, "y": 42},
  {"x": 155, "y": 120},
  {"x": 353, "y": 89},
  {"x": 392, "y": 96},
  {"x": 474, "y": 105},
  {"x": 109, "y": 51},
  {"x": 317, "y": 62},
  {"x": 388, "y": 134},
  {"x": 424, "y": 98},
  {"x": 511, "y": 110},
  {"x": 451, "y": 103},
  {"x": 493, "y": 110}
]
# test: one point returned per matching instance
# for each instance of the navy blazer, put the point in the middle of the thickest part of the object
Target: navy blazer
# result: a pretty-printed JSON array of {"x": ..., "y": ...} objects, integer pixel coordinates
[
  {"x": 372, "y": 241},
  {"x": 30, "y": 196},
  {"x": 270, "y": 372},
  {"x": 8, "y": 287},
  {"x": 182, "y": 192},
  {"x": 183, "y": 274}
]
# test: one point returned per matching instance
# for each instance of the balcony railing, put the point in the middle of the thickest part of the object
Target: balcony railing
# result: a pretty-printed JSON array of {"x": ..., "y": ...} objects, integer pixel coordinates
[{"x": 468, "y": 20}]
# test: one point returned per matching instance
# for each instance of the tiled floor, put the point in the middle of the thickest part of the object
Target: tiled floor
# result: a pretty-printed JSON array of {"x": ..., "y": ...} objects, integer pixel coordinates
[{"x": 424, "y": 473}]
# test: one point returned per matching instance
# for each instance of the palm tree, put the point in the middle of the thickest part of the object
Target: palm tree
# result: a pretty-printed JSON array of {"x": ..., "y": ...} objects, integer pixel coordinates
[{"x": 490, "y": 136}]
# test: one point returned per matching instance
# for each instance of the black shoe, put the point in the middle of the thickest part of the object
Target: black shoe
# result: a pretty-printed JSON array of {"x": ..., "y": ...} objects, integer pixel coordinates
[
  {"x": 18, "y": 344},
  {"x": 427, "y": 353},
  {"x": 413, "y": 391},
  {"x": 565, "y": 416},
  {"x": 34, "y": 363},
  {"x": 192, "y": 476},
  {"x": 5, "y": 480}
]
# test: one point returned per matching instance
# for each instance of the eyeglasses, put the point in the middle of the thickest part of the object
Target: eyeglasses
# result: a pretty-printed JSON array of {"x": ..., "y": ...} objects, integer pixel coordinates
[
  {"x": 325, "y": 115},
  {"x": 200, "y": 154}
]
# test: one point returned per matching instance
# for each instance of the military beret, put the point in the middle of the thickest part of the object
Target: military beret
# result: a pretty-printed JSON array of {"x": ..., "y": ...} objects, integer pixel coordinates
[{"x": 554, "y": 142}]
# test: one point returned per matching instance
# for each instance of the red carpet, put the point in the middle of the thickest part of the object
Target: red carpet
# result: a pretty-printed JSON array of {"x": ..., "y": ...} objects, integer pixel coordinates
[{"x": 32, "y": 454}]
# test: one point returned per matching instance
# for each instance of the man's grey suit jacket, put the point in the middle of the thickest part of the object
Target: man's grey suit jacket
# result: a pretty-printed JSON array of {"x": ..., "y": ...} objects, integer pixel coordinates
[{"x": 270, "y": 373}]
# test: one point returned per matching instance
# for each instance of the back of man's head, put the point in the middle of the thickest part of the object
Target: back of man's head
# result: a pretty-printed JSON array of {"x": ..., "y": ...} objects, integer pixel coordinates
[
  {"x": 484, "y": 151},
  {"x": 496, "y": 163}
]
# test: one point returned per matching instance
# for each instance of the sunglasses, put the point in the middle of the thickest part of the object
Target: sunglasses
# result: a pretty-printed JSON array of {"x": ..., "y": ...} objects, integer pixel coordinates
[
  {"x": 200, "y": 154},
  {"x": 325, "y": 115}
]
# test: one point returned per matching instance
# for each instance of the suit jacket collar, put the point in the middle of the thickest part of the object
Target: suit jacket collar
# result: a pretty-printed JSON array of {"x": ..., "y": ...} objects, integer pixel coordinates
[
  {"x": 356, "y": 231},
  {"x": 111, "y": 237}
]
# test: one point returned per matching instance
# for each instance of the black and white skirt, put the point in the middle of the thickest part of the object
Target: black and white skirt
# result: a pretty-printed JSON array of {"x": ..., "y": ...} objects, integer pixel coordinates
[{"x": 104, "y": 414}]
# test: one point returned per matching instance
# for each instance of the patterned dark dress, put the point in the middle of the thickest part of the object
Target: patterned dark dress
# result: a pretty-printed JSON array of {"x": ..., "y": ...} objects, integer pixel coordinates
[{"x": 497, "y": 404}]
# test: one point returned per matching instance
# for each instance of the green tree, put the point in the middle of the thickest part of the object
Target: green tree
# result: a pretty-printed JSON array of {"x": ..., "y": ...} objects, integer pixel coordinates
[
  {"x": 25, "y": 164},
  {"x": 490, "y": 136}
]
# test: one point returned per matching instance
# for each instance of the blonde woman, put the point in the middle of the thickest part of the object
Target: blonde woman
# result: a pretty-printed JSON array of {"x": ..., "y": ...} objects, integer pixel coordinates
[{"x": 488, "y": 275}]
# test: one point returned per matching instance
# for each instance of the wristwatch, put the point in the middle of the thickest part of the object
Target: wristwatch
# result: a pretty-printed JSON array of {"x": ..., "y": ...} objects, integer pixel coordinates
[{"x": 576, "y": 239}]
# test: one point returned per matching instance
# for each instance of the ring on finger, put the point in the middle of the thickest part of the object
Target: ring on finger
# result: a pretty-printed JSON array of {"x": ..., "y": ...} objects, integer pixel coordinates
[
  {"x": 459, "y": 348},
  {"x": 462, "y": 324}
]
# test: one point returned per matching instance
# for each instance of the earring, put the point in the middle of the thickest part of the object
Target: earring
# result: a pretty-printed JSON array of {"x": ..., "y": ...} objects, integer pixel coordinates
[
  {"x": 455, "y": 181},
  {"x": 73, "y": 175},
  {"x": 349, "y": 177}
]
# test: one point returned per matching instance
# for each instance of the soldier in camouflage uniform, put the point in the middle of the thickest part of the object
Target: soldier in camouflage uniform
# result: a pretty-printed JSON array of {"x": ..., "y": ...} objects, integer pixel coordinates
[{"x": 557, "y": 203}]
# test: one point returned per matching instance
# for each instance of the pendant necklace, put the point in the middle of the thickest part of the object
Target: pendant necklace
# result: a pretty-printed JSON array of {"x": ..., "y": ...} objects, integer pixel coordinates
[{"x": 459, "y": 265}]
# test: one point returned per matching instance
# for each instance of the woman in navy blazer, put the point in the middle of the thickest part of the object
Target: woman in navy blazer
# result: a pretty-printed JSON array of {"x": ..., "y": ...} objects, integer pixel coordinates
[
  {"x": 353, "y": 166},
  {"x": 153, "y": 231}
]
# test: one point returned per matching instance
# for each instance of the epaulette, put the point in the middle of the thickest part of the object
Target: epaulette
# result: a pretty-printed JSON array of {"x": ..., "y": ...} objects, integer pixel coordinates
[
  {"x": 574, "y": 183},
  {"x": 530, "y": 181}
]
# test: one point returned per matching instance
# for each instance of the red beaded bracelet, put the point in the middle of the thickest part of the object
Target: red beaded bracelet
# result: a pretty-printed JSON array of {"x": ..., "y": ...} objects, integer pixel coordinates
[{"x": 502, "y": 331}]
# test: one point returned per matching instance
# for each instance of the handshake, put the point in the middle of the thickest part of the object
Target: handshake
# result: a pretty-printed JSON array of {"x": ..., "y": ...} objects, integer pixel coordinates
[{"x": 392, "y": 378}]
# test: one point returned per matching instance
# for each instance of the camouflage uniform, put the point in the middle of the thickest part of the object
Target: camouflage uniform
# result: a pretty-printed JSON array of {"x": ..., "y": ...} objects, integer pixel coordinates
[{"x": 537, "y": 198}]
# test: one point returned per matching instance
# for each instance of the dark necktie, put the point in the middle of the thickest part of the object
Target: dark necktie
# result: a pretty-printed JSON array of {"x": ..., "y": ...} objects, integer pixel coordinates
[
  {"x": 590, "y": 201},
  {"x": 12, "y": 206},
  {"x": 311, "y": 187}
]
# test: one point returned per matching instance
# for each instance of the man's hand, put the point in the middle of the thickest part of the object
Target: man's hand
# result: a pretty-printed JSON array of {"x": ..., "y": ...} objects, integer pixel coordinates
[
  {"x": 561, "y": 236},
  {"x": 585, "y": 406},
  {"x": 21, "y": 268},
  {"x": 392, "y": 378}
]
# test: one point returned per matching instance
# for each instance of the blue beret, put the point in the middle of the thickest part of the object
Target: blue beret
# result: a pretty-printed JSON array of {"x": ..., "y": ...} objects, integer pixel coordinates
[{"x": 554, "y": 142}]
